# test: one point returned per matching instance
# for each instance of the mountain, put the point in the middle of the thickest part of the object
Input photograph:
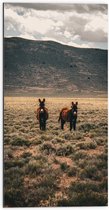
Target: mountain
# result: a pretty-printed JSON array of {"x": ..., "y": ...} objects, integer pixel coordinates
[{"x": 47, "y": 68}]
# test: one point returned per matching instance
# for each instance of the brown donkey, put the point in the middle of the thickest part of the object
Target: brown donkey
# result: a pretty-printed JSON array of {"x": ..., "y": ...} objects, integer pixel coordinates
[{"x": 69, "y": 115}]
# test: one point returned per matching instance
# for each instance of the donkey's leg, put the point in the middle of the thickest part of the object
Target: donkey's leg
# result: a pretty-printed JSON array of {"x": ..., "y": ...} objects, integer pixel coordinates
[
  {"x": 40, "y": 125},
  {"x": 71, "y": 125},
  {"x": 62, "y": 124},
  {"x": 44, "y": 126},
  {"x": 74, "y": 124},
  {"x": 60, "y": 116}
]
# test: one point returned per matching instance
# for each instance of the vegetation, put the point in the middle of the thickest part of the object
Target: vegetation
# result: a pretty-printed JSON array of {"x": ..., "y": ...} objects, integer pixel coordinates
[
  {"x": 55, "y": 167},
  {"x": 53, "y": 69}
]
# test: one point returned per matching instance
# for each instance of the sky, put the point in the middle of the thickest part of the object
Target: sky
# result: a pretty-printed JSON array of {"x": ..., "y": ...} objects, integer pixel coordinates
[{"x": 78, "y": 25}]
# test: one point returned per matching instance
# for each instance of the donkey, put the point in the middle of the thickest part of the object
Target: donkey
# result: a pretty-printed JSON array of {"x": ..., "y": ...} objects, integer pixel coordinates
[
  {"x": 42, "y": 114},
  {"x": 69, "y": 115}
]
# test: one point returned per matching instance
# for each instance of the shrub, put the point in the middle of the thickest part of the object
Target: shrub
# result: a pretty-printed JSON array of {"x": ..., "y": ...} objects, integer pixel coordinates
[
  {"x": 48, "y": 148},
  {"x": 46, "y": 137},
  {"x": 103, "y": 157},
  {"x": 55, "y": 132},
  {"x": 34, "y": 195},
  {"x": 13, "y": 188},
  {"x": 49, "y": 181},
  {"x": 14, "y": 163},
  {"x": 34, "y": 167},
  {"x": 7, "y": 139},
  {"x": 8, "y": 154},
  {"x": 26, "y": 154},
  {"x": 13, "y": 197},
  {"x": 57, "y": 140},
  {"x": 65, "y": 150},
  {"x": 79, "y": 155},
  {"x": 44, "y": 190},
  {"x": 41, "y": 159},
  {"x": 68, "y": 136},
  {"x": 64, "y": 166},
  {"x": 36, "y": 142},
  {"x": 91, "y": 172},
  {"x": 84, "y": 199},
  {"x": 87, "y": 127},
  {"x": 100, "y": 141},
  {"x": 80, "y": 187},
  {"x": 20, "y": 142},
  {"x": 101, "y": 164},
  {"x": 104, "y": 185},
  {"x": 87, "y": 145},
  {"x": 72, "y": 171}
]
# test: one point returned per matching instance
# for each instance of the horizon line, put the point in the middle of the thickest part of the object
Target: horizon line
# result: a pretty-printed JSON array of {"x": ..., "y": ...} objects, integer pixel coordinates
[{"x": 52, "y": 40}]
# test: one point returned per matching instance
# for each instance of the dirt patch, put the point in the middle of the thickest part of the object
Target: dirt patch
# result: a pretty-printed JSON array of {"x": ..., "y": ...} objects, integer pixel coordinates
[
  {"x": 31, "y": 181},
  {"x": 97, "y": 151},
  {"x": 65, "y": 160},
  {"x": 18, "y": 152},
  {"x": 55, "y": 166},
  {"x": 66, "y": 181}
]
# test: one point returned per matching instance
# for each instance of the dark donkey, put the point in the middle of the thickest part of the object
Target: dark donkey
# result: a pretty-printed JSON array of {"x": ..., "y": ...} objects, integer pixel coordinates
[
  {"x": 42, "y": 114},
  {"x": 69, "y": 115}
]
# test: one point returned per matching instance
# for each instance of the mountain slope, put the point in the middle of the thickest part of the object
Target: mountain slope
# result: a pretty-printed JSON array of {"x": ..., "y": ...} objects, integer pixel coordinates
[{"x": 51, "y": 69}]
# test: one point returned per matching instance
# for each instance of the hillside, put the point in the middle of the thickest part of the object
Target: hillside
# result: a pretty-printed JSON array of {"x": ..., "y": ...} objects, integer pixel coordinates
[{"x": 47, "y": 68}]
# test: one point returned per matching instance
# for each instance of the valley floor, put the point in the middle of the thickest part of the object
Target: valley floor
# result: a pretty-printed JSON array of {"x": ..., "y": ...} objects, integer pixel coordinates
[{"x": 55, "y": 167}]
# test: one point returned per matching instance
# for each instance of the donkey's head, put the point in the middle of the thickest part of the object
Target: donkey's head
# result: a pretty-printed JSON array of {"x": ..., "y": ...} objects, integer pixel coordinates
[
  {"x": 74, "y": 106},
  {"x": 42, "y": 103}
]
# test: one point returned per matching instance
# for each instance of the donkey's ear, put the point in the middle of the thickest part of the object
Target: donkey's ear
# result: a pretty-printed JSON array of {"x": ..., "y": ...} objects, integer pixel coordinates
[
  {"x": 76, "y": 103},
  {"x": 43, "y": 99},
  {"x": 39, "y": 100},
  {"x": 72, "y": 103}
]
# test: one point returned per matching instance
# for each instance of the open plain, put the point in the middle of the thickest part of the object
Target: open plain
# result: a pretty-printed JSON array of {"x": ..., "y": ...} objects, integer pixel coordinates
[{"x": 55, "y": 167}]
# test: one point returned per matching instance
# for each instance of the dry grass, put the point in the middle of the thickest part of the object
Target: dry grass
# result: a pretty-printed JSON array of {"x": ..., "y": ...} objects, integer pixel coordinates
[{"x": 55, "y": 167}]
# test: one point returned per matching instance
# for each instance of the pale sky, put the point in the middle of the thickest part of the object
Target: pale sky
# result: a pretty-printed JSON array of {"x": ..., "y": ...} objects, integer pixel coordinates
[{"x": 79, "y": 25}]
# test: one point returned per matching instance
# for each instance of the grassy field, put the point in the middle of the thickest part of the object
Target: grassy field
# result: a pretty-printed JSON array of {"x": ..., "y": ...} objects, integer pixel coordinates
[{"x": 55, "y": 167}]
